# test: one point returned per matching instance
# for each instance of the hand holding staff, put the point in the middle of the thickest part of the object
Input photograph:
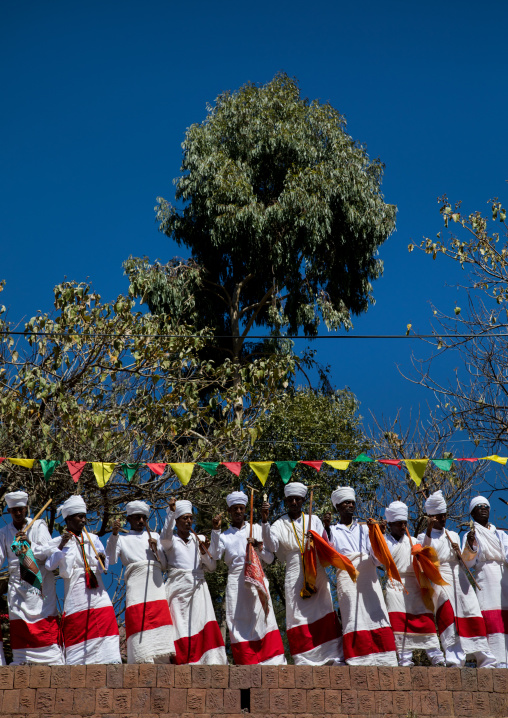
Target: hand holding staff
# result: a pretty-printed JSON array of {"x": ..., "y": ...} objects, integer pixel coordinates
[
  {"x": 461, "y": 560},
  {"x": 94, "y": 549}
]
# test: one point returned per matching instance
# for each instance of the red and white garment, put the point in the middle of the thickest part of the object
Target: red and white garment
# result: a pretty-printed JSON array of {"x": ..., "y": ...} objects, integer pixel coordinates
[
  {"x": 313, "y": 630},
  {"x": 148, "y": 624},
  {"x": 198, "y": 638},
  {"x": 89, "y": 627},
  {"x": 412, "y": 623},
  {"x": 255, "y": 637},
  {"x": 367, "y": 633},
  {"x": 458, "y": 615},
  {"x": 490, "y": 561},
  {"x": 33, "y": 617}
]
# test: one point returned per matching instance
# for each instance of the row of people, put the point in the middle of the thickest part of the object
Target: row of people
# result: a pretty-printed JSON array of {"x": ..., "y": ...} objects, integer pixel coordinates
[{"x": 176, "y": 620}]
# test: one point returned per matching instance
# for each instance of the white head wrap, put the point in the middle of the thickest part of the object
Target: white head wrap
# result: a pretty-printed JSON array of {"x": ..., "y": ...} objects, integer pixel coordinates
[
  {"x": 396, "y": 511},
  {"x": 137, "y": 507},
  {"x": 435, "y": 504},
  {"x": 236, "y": 498},
  {"x": 182, "y": 507},
  {"x": 295, "y": 489},
  {"x": 16, "y": 498},
  {"x": 343, "y": 493},
  {"x": 73, "y": 505},
  {"x": 478, "y": 500}
]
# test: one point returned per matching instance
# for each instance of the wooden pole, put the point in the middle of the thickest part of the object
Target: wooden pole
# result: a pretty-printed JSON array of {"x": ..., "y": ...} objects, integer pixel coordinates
[
  {"x": 310, "y": 511},
  {"x": 37, "y": 515},
  {"x": 461, "y": 561},
  {"x": 251, "y": 510},
  {"x": 150, "y": 536},
  {"x": 200, "y": 543},
  {"x": 94, "y": 549}
]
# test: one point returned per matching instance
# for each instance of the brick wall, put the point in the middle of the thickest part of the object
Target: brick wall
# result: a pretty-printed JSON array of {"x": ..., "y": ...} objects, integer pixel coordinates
[{"x": 148, "y": 691}]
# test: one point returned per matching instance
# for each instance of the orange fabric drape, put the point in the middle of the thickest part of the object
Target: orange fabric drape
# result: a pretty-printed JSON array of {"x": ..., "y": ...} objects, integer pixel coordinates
[
  {"x": 426, "y": 568},
  {"x": 382, "y": 552},
  {"x": 309, "y": 569},
  {"x": 328, "y": 556}
]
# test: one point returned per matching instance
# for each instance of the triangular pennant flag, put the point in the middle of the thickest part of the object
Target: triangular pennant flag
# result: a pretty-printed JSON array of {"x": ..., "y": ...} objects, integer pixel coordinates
[
  {"x": 102, "y": 471},
  {"x": 285, "y": 468},
  {"x": 465, "y": 459},
  {"x": 183, "y": 471},
  {"x": 2, "y": 458},
  {"x": 27, "y": 463},
  {"x": 76, "y": 469},
  {"x": 494, "y": 457},
  {"x": 157, "y": 468},
  {"x": 209, "y": 466},
  {"x": 261, "y": 469},
  {"x": 129, "y": 470},
  {"x": 315, "y": 464},
  {"x": 443, "y": 464},
  {"x": 48, "y": 467},
  {"x": 363, "y": 457},
  {"x": 416, "y": 468},
  {"x": 340, "y": 465},
  {"x": 390, "y": 462},
  {"x": 234, "y": 466}
]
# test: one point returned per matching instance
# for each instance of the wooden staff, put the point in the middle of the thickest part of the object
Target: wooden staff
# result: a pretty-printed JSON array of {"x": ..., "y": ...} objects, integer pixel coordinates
[
  {"x": 461, "y": 561},
  {"x": 155, "y": 553},
  {"x": 200, "y": 543},
  {"x": 94, "y": 549},
  {"x": 310, "y": 512},
  {"x": 252, "y": 489},
  {"x": 37, "y": 515}
]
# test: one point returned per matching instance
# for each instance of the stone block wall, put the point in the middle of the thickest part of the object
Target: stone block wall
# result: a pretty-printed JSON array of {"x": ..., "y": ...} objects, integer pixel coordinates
[{"x": 150, "y": 691}]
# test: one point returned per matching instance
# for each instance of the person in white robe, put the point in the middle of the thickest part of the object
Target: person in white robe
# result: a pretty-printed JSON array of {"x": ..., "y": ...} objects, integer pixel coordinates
[
  {"x": 486, "y": 548},
  {"x": 89, "y": 626},
  {"x": 313, "y": 629},
  {"x": 253, "y": 630},
  {"x": 458, "y": 615},
  {"x": 33, "y": 611},
  {"x": 412, "y": 623},
  {"x": 198, "y": 639},
  {"x": 367, "y": 633},
  {"x": 148, "y": 624}
]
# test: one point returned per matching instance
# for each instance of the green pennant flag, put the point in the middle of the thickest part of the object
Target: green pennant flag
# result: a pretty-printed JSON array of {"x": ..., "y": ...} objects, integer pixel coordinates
[
  {"x": 48, "y": 467},
  {"x": 209, "y": 466},
  {"x": 285, "y": 468},
  {"x": 129, "y": 470},
  {"x": 363, "y": 457},
  {"x": 443, "y": 464}
]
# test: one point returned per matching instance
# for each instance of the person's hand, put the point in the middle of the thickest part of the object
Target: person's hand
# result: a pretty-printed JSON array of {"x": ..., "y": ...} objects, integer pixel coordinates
[
  {"x": 21, "y": 536},
  {"x": 371, "y": 522},
  {"x": 431, "y": 522},
  {"x": 382, "y": 525},
  {"x": 265, "y": 510},
  {"x": 471, "y": 538},
  {"x": 152, "y": 543},
  {"x": 202, "y": 547},
  {"x": 172, "y": 503},
  {"x": 455, "y": 547},
  {"x": 254, "y": 542},
  {"x": 65, "y": 538},
  {"x": 102, "y": 557},
  {"x": 115, "y": 529},
  {"x": 217, "y": 522},
  {"x": 207, "y": 541},
  {"x": 327, "y": 520}
]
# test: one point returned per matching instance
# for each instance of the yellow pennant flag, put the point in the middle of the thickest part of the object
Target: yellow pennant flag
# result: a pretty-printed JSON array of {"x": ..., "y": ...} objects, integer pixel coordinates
[
  {"x": 416, "y": 468},
  {"x": 183, "y": 471},
  {"x": 494, "y": 457},
  {"x": 27, "y": 463},
  {"x": 261, "y": 469},
  {"x": 341, "y": 465},
  {"x": 102, "y": 472}
]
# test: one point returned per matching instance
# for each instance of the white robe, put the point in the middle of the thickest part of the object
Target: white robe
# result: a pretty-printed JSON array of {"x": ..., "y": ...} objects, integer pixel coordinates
[
  {"x": 312, "y": 626},
  {"x": 89, "y": 627},
  {"x": 490, "y": 560},
  {"x": 255, "y": 638},
  {"x": 33, "y": 618},
  {"x": 367, "y": 634},
  {"x": 197, "y": 634},
  {"x": 148, "y": 624}
]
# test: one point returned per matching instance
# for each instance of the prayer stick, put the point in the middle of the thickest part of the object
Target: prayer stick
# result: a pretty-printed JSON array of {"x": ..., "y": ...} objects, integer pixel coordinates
[
  {"x": 251, "y": 510},
  {"x": 94, "y": 549},
  {"x": 200, "y": 543},
  {"x": 310, "y": 512},
  {"x": 461, "y": 561},
  {"x": 155, "y": 553},
  {"x": 37, "y": 515}
]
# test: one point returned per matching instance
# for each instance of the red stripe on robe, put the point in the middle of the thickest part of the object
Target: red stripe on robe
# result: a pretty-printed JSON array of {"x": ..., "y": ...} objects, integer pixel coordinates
[
  {"x": 311, "y": 635},
  {"x": 466, "y": 627},
  {"x": 40, "y": 634},
  {"x": 364, "y": 643},
  {"x": 145, "y": 616},
  {"x": 412, "y": 623},
  {"x": 85, "y": 625},
  {"x": 247, "y": 653},
  {"x": 496, "y": 621},
  {"x": 190, "y": 650}
]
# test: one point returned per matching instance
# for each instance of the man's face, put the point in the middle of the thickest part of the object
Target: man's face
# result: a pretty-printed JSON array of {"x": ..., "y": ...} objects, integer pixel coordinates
[
  {"x": 397, "y": 529},
  {"x": 346, "y": 510},
  {"x": 76, "y": 523},
  {"x": 294, "y": 506},
  {"x": 237, "y": 513},
  {"x": 184, "y": 523},
  {"x": 19, "y": 514},
  {"x": 137, "y": 522},
  {"x": 481, "y": 513}
]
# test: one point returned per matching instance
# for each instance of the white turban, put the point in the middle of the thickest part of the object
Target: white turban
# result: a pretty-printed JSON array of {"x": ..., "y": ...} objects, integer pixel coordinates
[
  {"x": 182, "y": 507},
  {"x": 73, "y": 505},
  {"x": 16, "y": 498},
  {"x": 478, "y": 500},
  {"x": 396, "y": 511},
  {"x": 295, "y": 489},
  {"x": 236, "y": 498},
  {"x": 343, "y": 493},
  {"x": 435, "y": 504},
  {"x": 137, "y": 507}
]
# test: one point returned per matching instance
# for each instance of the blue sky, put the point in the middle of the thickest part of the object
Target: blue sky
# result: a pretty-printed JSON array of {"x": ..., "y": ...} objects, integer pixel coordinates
[{"x": 97, "y": 97}]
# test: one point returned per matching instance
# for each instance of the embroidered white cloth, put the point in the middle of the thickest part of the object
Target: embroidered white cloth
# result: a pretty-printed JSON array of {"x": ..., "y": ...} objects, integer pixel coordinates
[
  {"x": 490, "y": 560},
  {"x": 197, "y": 634},
  {"x": 89, "y": 627},
  {"x": 313, "y": 630},
  {"x": 255, "y": 638},
  {"x": 33, "y": 618},
  {"x": 367, "y": 634},
  {"x": 148, "y": 624}
]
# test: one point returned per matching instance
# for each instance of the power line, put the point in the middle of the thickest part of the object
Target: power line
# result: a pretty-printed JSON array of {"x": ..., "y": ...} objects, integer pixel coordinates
[{"x": 291, "y": 337}]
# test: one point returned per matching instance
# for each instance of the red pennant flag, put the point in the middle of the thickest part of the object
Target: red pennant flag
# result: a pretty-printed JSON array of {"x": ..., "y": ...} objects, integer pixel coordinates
[
  {"x": 465, "y": 459},
  {"x": 157, "y": 468},
  {"x": 76, "y": 469},
  {"x": 234, "y": 466},
  {"x": 390, "y": 462},
  {"x": 2, "y": 458},
  {"x": 315, "y": 464}
]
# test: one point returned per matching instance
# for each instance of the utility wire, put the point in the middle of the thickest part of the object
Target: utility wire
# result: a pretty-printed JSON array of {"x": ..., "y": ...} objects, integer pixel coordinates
[{"x": 253, "y": 336}]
